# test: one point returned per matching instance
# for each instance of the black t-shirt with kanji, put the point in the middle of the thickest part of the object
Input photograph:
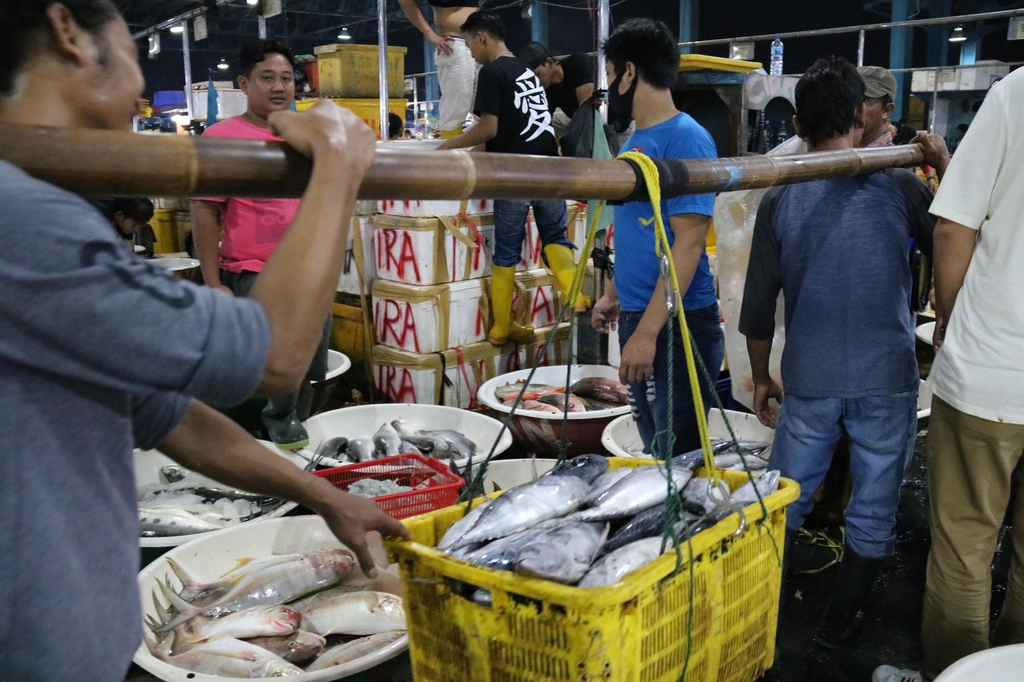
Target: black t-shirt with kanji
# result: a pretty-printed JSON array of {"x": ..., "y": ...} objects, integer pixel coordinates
[
  {"x": 577, "y": 72},
  {"x": 509, "y": 89}
]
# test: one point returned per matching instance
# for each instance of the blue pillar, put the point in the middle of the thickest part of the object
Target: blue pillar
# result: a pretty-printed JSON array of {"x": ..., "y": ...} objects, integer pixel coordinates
[
  {"x": 938, "y": 36},
  {"x": 901, "y": 44},
  {"x": 539, "y": 22},
  {"x": 972, "y": 46},
  {"x": 688, "y": 18}
]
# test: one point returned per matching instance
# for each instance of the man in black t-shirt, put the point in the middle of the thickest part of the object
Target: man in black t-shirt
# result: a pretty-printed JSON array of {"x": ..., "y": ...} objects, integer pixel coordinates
[
  {"x": 568, "y": 82},
  {"x": 514, "y": 119}
]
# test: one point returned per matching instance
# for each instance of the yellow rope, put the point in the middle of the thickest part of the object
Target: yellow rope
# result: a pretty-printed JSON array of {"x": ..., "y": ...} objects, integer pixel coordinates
[{"x": 664, "y": 249}]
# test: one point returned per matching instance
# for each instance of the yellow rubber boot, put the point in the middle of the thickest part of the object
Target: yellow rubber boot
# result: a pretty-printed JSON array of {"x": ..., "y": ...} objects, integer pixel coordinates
[
  {"x": 503, "y": 285},
  {"x": 563, "y": 264}
]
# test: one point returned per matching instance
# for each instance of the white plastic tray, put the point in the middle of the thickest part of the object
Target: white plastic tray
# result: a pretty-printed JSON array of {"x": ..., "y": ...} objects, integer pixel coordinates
[
  {"x": 213, "y": 554},
  {"x": 147, "y": 470},
  {"x": 552, "y": 376}
]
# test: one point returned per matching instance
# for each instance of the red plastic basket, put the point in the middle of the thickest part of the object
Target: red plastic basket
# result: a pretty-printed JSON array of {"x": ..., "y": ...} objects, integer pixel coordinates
[{"x": 440, "y": 491}]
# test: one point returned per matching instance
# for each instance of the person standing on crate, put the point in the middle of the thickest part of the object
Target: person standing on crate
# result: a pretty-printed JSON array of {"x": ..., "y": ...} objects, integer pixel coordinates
[
  {"x": 74, "y": 309},
  {"x": 456, "y": 68},
  {"x": 642, "y": 63},
  {"x": 514, "y": 119},
  {"x": 976, "y": 429},
  {"x": 253, "y": 227},
  {"x": 837, "y": 250}
]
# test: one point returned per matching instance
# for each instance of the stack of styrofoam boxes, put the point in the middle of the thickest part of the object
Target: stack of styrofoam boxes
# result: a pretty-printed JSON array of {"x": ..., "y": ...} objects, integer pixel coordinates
[{"x": 431, "y": 301}]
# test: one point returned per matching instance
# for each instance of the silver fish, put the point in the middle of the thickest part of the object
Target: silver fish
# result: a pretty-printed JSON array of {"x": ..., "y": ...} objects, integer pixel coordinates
[
  {"x": 172, "y": 473},
  {"x": 258, "y": 621},
  {"x": 731, "y": 460},
  {"x": 387, "y": 442},
  {"x": 434, "y": 446},
  {"x": 460, "y": 446},
  {"x": 612, "y": 567},
  {"x": 346, "y": 587},
  {"x": 643, "y": 488},
  {"x": 356, "y": 613},
  {"x": 559, "y": 401},
  {"x": 587, "y": 467},
  {"x": 228, "y": 657},
  {"x": 361, "y": 449},
  {"x": 501, "y": 554},
  {"x": 167, "y": 522},
  {"x": 766, "y": 484},
  {"x": 350, "y": 651},
  {"x": 527, "y": 505},
  {"x": 462, "y": 526},
  {"x": 562, "y": 554},
  {"x": 274, "y": 584},
  {"x": 298, "y": 647},
  {"x": 646, "y": 524},
  {"x": 410, "y": 449},
  {"x": 207, "y": 487},
  {"x": 606, "y": 480},
  {"x": 600, "y": 388}
]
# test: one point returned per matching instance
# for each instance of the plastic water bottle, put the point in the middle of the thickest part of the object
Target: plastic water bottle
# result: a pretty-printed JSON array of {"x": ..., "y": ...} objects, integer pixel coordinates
[{"x": 776, "y": 65}]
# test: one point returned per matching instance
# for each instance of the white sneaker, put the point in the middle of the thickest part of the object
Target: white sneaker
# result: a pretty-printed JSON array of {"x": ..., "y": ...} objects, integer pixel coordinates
[{"x": 887, "y": 673}]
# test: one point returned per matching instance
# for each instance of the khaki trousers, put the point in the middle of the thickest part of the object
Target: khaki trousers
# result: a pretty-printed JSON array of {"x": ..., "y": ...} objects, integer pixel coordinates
[{"x": 972, "y": 469}]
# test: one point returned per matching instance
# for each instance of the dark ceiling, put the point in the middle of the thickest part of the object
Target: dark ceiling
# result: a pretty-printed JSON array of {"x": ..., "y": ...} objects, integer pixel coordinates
[{"x": 305, "y": 24}]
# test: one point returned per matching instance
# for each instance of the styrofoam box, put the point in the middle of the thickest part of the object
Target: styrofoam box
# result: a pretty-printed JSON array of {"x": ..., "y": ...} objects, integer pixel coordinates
[
  {"x": 524, "y": 357},
  {"x": 536, "y": 298},
  {"x": 576, "y": 232},
  {"x": 348, "y": 283},
  {"x": 411, "y": 255},
  {"x": 432, "y": 208},
  {"x": 419, "y": 385},
  {"x": 404, "y": 320}
]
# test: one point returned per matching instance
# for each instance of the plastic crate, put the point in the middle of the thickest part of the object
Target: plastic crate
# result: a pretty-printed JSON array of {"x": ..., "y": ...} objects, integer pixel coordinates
[
  {"x": 635, "y": 630},
  {"x": 408, "y": 470}
]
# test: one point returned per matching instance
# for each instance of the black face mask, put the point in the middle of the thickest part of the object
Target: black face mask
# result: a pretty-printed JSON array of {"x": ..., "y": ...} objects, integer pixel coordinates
[{"x": 620, "y": 107}]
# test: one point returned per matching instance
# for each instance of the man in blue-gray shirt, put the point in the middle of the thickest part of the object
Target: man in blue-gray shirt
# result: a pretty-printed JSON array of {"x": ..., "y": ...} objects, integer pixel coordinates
[
  {"x": 642, "y": 64},
  {"x": 838, "y": 250},
  {"x": 101, "y": 351}
]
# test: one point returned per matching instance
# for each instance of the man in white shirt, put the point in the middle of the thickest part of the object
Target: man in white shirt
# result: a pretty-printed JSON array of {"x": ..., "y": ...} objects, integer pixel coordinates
[{"x": 976, "y": 433}]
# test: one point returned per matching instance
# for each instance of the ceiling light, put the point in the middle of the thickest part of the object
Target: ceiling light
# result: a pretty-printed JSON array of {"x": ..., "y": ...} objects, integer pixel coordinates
[
  {"x": 252, "y": 2},
  {"x": 344, "y": 35},
  {"x": 223, "y": 66},
  {"x": 957, "y": 36},
  {"x": 178, "y": 28}
]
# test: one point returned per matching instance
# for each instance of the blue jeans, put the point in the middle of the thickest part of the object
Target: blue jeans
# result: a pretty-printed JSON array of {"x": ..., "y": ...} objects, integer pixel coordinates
[
  {"x": 649, "y": 400},
  {"x": 510, "y": 227},
  {"x": 881, "y": 430}
]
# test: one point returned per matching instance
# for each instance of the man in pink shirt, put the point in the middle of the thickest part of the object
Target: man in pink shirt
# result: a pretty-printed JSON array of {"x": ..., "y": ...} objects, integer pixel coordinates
[{"x": 253, "y": 227}]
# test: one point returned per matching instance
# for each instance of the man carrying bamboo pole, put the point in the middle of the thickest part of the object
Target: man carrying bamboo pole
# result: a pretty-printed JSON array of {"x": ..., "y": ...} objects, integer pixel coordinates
[
  {"x": 642, "y": 63},
  {"x": 976, "y": 431},
  {"x": 101, "y": 351},
  {"x": 837, "y": 249}
]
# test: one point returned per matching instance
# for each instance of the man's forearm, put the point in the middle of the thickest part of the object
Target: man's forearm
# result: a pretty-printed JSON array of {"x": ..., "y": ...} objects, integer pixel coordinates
[
  {"x": 415, "y": 16},
  {"x": 760, "y": 351},
  {"x": 297, "y": 284},
  {"x": 476, "y": 135},
  {"x": 953, "y": 250},
  {"x": 208, "y": 442},
  {"x": 205, "y": 233}
]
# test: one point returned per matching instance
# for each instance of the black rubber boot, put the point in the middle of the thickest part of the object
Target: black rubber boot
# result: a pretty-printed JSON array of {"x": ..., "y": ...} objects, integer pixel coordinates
[{"x": 845, "y": 614}]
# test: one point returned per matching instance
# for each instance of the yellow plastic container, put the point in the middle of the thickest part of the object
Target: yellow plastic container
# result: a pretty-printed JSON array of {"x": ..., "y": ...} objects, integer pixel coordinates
[
  {"x": 165, "y": 230},
  {"x": 699, "y": 62},
  {"x": 366, "y": 109},
  {"x": 635, "y": 630},
  {"x": 354, "y": 70}
]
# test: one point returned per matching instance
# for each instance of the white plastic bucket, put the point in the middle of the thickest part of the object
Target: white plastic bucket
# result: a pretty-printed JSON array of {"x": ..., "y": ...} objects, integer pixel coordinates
[{"x": 213, "y": 554}]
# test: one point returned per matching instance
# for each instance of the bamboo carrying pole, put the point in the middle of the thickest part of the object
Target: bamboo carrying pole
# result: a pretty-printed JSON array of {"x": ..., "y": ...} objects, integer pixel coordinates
[{"x": 127, "y": 164}]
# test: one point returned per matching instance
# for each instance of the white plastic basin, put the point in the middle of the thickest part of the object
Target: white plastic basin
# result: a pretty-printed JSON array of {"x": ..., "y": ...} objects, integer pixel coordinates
[
  {"x": 364, "y": 421},
  {"x": 213, "y": 554},
  {"x": 177, "y": 264},
  {"x": 337, "y": 364},
  {"x": 552, "y": 376},
  {"x": 147, "y": 470},
  {"x": 925, "y": 332},
  {"x": 1001, "y": 664}
]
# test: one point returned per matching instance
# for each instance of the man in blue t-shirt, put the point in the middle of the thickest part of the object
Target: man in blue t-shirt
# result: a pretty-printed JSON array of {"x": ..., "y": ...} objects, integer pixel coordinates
[
  {"x": 837, "y": 250},
  {"x": 642, "y": 63}
]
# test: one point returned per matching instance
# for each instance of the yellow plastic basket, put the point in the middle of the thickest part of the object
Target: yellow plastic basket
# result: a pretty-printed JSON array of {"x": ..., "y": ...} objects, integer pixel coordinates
[{"x": 635, "y": 630}]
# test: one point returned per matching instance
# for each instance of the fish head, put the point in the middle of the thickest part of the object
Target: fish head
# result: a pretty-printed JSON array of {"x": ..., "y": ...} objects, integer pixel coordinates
[
  {"x": 306, "y": 644},
  {"x": 332, "y": 562},
  {"x": 544, "y": 560},
  {"x": 284, "y": 620}
]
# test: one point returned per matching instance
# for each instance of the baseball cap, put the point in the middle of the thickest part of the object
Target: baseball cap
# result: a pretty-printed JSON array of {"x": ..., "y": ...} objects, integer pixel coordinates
[
  {"x": 879, "y": 82},
  {"x": 534, "y": 54}
]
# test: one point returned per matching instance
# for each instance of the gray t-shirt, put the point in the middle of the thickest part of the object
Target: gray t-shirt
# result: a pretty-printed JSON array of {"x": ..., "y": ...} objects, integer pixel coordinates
[
  {"x": 99, "y": 351},
  {"x": 839, "y": 251}
]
